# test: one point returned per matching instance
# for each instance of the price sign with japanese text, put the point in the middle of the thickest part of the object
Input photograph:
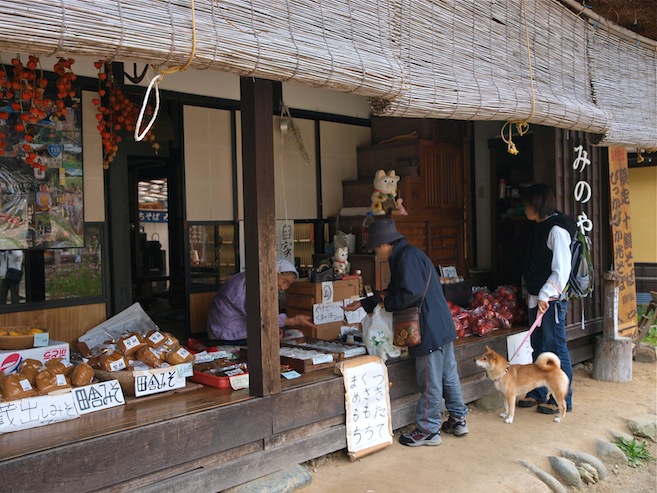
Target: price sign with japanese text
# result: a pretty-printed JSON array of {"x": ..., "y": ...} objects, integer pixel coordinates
[
  {"x": 36, "y": 411},
  {"x": 97, "y": 396},
  {"x": 367, "y": 404},
  {"x": 621, "y": 235},
  {"x": 158, "y": 380}
]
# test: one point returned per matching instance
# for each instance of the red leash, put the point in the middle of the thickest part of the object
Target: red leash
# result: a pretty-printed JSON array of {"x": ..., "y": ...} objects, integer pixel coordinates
[{"x": 537, "y": 323}]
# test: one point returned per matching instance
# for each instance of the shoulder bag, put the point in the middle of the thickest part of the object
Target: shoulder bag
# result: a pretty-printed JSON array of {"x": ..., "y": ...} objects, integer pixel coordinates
[
  {"x": 14, "y": 275},
  {"x": 406, "y": 323}
]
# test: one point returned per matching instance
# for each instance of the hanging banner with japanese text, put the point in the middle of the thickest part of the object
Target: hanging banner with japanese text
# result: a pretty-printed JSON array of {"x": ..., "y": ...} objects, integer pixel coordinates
[
  {"x": 367, "y": 404},
  {"x": 621, "y": 234},
  {"x": 285, "y": 240}
]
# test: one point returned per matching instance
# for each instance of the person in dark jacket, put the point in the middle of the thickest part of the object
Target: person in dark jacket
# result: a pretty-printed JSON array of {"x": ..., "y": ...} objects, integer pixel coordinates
[
  {"x": 435, "y": 363},
  {"x": 546, "y": 276}
]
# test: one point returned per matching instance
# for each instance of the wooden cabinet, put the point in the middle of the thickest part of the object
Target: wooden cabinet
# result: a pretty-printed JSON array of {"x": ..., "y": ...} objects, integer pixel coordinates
[{"x": 375, "y": 273}]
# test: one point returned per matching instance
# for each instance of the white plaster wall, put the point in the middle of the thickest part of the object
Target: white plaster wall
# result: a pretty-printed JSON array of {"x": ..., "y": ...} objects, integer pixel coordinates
[
  {"x": 325, "y": 101},
  {"x": 482, "y": 132},
  {"x": 339, "y": 161},
  {"x": 92, "y": 162},
  {"x": 208, "y": 164}
]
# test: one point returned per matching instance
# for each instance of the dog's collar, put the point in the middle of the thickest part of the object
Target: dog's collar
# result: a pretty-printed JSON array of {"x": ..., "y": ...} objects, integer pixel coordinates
[{"x": 502, "y": 375}]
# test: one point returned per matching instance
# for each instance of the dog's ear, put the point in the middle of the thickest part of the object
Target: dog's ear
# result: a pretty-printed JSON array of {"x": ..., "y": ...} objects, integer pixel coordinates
[{"x": 488, "y": 348}]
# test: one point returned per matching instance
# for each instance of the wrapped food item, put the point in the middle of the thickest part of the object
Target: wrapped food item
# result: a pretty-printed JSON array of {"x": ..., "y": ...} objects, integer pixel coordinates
[
  {"x": 113, "y": 361},
  {"x": 30, "y": 373},
  {"x": 170, "y": 342},
  {"x": 16, "y": 387},
  {"x": 49, "y": 380},
  {"x": 130, "y": 344},
  {"x": 60, "y": 365},
  {"x": 155, "y": 338},
  {"x": 179, "y": 356},
  {"x": 82, "y": 375},
  {"x": 149, "y": 356}
]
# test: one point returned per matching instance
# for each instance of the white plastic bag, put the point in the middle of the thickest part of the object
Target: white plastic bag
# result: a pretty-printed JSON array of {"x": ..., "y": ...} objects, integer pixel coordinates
[{"x": 378, "y": 334}]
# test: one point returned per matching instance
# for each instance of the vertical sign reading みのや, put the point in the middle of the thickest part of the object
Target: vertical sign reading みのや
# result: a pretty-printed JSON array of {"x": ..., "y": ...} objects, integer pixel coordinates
[
  {"x": 367, "y": 404},
  {"x": 621, "y": 235}
]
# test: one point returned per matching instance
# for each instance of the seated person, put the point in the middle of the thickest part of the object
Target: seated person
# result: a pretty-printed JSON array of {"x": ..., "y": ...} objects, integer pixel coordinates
[{"x": 227, "y": 319}]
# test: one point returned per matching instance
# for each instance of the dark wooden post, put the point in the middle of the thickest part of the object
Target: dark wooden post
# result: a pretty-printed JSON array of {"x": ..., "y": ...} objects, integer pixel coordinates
[
  {"x": 260, "y": 236},
  {"x": 612, "y": 361}
]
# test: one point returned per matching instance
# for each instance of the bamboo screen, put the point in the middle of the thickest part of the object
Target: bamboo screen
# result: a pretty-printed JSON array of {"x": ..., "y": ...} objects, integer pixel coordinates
[
  {"x": 337, "y": 44},
  {"x": 624, "y": 82},
  {"x": 468, "y": 60},
  {"x": 448, "y": 59}
]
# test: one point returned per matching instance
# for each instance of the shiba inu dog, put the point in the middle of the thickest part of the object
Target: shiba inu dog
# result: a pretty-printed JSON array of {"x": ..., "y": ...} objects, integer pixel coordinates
[{"x": 514, "y": 380}]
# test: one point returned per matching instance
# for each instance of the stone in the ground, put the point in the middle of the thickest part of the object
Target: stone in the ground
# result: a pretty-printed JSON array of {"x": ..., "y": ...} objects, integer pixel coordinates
[
  {"x": 645, "y": 353},
  {"x": 552, "y": 482},
  {"x": 620, "y": 434},
  {"x": 566, "y": 471},
  {"x": 579, "y": 457},
  {"x": 283, "y": 481},
  {"x": 610, "y": 453},
  {"x": 644, "y": 426},
  {"x": 490, "y": 402}
]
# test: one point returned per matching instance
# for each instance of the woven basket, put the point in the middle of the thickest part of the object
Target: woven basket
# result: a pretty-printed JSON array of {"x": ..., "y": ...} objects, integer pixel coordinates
[{"x": 17, "y": 342}]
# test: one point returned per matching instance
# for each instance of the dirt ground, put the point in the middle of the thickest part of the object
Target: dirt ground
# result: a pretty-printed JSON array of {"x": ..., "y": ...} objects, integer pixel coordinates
[{"x": 487, "y": 459}]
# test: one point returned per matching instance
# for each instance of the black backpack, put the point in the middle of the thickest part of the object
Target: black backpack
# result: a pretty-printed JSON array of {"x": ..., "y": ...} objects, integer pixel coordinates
[{"x": 580, "y": 284}]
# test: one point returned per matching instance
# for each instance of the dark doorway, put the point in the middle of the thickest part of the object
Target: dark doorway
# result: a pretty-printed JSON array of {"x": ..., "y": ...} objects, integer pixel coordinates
[{"x": 155, "y": 237}]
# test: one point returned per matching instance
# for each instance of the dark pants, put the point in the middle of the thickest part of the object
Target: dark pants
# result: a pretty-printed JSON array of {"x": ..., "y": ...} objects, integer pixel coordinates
[
  {"x": 551, "y": 336},
  {"x": 7, "y": 286}
]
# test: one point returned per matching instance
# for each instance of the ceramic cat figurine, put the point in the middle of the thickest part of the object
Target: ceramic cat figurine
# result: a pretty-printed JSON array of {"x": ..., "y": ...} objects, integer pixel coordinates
[{"x": 340, "y": 263}]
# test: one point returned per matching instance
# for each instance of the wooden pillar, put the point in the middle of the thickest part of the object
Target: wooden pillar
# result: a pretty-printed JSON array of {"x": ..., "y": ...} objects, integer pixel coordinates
[
  {"x": 260, "y": 236},
  {"x": 612, "y": 361}
]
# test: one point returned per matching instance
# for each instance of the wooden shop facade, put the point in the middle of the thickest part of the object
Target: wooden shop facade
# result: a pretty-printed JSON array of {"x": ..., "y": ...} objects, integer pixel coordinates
[{"x": 233, "y": 162}]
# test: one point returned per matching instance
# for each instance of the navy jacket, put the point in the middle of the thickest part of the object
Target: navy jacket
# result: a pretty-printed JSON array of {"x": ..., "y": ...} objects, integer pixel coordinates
[{"x": 409, "y": 273}]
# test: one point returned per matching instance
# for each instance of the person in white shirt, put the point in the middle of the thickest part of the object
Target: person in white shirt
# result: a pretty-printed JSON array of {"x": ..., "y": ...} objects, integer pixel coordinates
[
  {"x": 11, "y": 271},
  {"x": 546, "y": 275}
]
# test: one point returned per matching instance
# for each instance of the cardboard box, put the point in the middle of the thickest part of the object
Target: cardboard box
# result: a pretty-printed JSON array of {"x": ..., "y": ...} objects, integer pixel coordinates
[
  {"x": 11, "y": 359},
  {"x": 303, "y": 294}
]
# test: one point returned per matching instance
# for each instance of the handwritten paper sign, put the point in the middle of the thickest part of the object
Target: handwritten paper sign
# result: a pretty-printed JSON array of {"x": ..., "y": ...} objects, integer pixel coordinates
[
  {"x": 356, "y": 316},
  {"x": 367, "y": 403},
  {"x": 97, "y": 396},
  {"x": 36, "y": 411},
  {"x": 157, "y": 380},
  {"x": 324, "y": 313},
  {"x": 524, "y": 355},
  {"x": 621, "y": 236}
]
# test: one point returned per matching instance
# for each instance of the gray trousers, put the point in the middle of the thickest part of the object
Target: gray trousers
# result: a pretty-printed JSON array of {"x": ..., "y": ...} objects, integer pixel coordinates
[{"x": 438, "y": 378}]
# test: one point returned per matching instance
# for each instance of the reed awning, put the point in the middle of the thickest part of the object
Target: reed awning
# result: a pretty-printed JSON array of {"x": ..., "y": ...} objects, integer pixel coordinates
[{"x": 465, "y": 59}]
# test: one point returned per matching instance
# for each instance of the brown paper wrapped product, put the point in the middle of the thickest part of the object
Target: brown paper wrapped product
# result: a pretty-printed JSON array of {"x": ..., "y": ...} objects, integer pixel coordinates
[
  {"x": 179, "y": 356},
  {"x": 49, "y": 380},
  {"x": 29, "y": 362},
  {"x": 155, "y": 338},
  {"x": 82, "y": 375},
  {"x": 130, "y": 344},
  {"x": 30, "y": 373},
  {"x": 149, "y": 356},
  {"x": 16, "y": 387},
  {"x": 60, "y": 365},
  {"x": 170, "y": 342},
  {"x": 113, "y": 361}
]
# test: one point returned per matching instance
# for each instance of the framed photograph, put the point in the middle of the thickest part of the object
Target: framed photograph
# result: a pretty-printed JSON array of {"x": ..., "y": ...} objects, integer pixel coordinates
[{"x": 448, "y": 271}]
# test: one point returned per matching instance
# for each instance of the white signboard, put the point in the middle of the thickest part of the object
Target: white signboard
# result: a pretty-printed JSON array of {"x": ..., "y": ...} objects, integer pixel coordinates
[
  {"x": 324, "y": 313},
  {"x": 524, "y": 355},
  {"x": 36, "y": 411},
  {"x": 157, "y": 380},
  {"x": 367, "y": 403},
  {"x": 97, "y": 396}
]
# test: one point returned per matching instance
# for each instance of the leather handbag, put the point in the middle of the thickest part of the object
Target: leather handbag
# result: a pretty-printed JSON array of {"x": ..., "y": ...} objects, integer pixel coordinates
[{"x": 406, "y": 323}]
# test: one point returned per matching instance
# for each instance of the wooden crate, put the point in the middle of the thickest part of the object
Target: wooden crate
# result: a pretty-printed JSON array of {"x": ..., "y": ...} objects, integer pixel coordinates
[{"x": 303, "y": 294}]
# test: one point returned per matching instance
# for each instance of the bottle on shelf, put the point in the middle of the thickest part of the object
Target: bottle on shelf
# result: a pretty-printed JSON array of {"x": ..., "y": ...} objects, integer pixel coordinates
[
  {"x": 361, "y": 288},
  {"x": 502, "y": 192},
  {"x": 369, "y": 219}
]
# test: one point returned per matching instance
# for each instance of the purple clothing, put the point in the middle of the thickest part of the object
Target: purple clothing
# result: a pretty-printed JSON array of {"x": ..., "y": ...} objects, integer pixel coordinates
[{"x": 227, "y": 319}]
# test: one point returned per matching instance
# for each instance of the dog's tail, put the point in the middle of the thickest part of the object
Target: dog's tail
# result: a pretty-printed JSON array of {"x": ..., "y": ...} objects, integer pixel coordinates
[{"x": 548, "y": 361}]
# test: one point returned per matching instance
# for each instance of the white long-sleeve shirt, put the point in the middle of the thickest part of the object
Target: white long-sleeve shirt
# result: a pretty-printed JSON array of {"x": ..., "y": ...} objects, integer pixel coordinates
[{"x": 559, "y": 242}]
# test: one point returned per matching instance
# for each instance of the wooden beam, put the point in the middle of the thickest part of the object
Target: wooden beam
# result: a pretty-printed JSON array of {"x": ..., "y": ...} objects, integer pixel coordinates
[{"x": 260, "y": 236}]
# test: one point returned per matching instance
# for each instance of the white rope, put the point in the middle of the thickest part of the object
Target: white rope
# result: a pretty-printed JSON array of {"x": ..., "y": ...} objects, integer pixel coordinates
[{"x": 155, "y": 82}]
